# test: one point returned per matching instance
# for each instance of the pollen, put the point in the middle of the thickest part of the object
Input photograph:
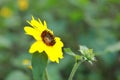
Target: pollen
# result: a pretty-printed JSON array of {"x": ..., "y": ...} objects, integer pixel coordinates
[{"x": 48, "y": 38}]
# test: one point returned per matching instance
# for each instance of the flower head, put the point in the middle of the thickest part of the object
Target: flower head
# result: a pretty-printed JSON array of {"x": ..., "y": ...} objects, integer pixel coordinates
[
  {"x": 27, "y": 63},
  {"x": 5, "y": 12},
  {"x": 45, "y": 40},
  {"x": 87, "y": 54},
  {"x": 23, "y": 4}
]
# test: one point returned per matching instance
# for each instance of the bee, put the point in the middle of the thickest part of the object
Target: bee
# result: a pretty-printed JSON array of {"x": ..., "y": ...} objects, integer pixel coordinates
[{"x": 48, "y": 38}]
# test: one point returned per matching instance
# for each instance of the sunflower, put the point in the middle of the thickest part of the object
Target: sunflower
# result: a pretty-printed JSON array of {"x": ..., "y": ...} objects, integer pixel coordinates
[{"x": 45, "y": 40}]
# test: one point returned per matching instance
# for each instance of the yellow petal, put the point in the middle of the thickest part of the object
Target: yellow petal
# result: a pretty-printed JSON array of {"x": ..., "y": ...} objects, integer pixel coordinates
[
  {"x": 37, "y": 46},
  {"x": 59, "y": 43},
  {"x": 55, "y": 52},
  {"x": 37, "y": 24},
  {"x": 39, "y": 21},
  {"x": 32, "y": 32},
  {"x": 45, "y": 25},
  {"x": 58, "y": 46}
]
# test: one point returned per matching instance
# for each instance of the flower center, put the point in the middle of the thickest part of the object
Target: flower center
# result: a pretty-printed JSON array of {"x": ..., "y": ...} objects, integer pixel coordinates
[{"x": 48, "y": 38}]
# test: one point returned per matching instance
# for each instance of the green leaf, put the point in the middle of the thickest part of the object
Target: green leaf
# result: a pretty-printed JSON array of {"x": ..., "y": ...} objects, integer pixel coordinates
[
  {"x": 79, "y": 57},
  {"x": 39, "y": 63},
  {"x": 69, "y": 51}
]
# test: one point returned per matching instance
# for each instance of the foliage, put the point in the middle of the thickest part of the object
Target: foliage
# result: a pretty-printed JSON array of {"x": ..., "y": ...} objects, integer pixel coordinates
[{"x": 94, "y": 23}]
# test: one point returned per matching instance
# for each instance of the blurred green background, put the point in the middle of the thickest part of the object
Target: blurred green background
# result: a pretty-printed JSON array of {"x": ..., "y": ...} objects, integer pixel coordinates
[{"x": 93, "y": 23}]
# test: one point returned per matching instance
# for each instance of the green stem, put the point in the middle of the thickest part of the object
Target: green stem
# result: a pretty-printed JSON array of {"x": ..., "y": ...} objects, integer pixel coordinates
[
  {"x": 75, "y": 67},
  {"x": 46, "y": 75}
]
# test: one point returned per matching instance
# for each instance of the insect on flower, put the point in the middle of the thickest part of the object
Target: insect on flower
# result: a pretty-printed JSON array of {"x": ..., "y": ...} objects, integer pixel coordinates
[{"x": 45, "y": 40}]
